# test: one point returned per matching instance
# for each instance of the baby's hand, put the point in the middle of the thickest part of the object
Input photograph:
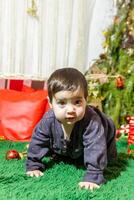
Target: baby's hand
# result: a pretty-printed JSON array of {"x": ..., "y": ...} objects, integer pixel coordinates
[
  {"x": 36, "y": 173},
  {"x": 88, "y": 185}
]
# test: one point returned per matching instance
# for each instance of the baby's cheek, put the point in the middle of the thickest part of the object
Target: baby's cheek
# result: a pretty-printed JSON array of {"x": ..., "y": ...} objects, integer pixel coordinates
[
  {"x": 81, "y": 112},
  {"x": 59, "y": 114}
]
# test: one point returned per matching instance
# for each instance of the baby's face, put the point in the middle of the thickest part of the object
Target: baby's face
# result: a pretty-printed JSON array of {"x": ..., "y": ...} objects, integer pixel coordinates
[{"x": 69, "y": 107}]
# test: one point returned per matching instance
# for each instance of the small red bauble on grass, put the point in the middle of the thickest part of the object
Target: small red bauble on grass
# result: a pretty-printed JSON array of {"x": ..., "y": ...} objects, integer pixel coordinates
[
  {"x": 119, "y": 82},
  {"x": 12, "y": 154}
]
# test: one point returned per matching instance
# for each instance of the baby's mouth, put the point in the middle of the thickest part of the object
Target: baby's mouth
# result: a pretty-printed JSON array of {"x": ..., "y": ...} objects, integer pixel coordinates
[{"x": 70, "y": 118}]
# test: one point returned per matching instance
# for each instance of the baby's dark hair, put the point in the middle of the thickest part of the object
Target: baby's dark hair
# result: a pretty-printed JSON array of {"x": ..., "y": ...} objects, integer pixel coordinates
[{"x": 66, "y": 79}]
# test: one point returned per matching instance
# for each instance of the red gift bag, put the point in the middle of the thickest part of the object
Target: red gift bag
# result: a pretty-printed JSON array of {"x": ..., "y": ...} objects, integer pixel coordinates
[{"x": 20, "y": 111}]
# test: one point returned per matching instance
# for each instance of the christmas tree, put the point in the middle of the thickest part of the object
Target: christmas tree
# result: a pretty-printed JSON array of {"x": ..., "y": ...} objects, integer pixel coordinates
[{"x": 111, "y": 78}]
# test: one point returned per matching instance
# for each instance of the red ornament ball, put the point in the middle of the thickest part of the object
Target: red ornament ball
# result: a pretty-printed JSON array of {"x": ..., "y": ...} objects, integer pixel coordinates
[
  {"x": 119, "y": 82},
  {"x": 12, "y": 154}
]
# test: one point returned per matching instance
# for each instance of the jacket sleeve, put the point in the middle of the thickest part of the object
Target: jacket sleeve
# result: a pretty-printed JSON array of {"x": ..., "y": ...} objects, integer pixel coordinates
[
  {"x": 95, "y": 151},
  {"x": 39, "y": 146}
]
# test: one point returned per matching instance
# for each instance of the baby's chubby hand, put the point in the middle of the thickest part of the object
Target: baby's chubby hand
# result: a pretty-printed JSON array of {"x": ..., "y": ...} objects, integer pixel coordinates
[
  {"x": 88, "y": 185},
  {"x": 36, "y": 173}
]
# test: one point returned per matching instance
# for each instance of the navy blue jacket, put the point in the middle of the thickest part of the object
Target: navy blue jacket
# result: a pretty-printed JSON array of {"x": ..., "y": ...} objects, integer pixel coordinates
[{"x": 93, "y": 137}]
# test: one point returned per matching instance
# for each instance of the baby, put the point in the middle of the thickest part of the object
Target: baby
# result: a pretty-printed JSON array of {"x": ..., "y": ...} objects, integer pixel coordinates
[{"x": 72, "y": 129}]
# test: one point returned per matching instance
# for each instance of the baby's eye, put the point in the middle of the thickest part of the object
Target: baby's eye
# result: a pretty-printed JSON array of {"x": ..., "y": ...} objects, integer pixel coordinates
[
  {"x": 62, "y": 103},
  {"x": 78, "y": 102}
]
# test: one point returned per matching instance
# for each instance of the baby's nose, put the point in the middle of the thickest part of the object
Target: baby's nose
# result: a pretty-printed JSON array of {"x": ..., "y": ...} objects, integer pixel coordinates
[{"x": 70, "y": 108}]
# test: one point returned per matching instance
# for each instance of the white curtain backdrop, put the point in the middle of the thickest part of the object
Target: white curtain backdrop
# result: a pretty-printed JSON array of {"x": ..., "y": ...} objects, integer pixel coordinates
[
  {"x": 102, "y": 18},
  {"x": 64, "y": 34}
]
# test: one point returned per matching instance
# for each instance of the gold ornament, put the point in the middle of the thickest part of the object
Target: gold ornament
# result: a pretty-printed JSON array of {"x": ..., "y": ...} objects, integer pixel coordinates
[
  {"x": 24, "y": 153},
  {"x": 33, "y": 9}
]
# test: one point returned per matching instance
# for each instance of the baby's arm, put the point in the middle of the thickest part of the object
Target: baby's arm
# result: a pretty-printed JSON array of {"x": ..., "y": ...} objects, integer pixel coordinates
[
  {"x": 95, "y": 155},
  {"x": 38, "y": 148}
]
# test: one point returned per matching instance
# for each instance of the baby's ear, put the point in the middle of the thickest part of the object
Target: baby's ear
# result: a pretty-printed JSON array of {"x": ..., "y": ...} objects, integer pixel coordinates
[{"x": 50, "y": 104}]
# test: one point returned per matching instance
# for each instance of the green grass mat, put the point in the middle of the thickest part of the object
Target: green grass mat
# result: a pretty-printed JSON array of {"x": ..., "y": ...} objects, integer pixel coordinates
[{"x": 60, "y": 181}]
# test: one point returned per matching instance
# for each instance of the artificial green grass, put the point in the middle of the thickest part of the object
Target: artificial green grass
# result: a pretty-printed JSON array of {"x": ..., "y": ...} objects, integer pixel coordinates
[{"x": 60, "y": 181}]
